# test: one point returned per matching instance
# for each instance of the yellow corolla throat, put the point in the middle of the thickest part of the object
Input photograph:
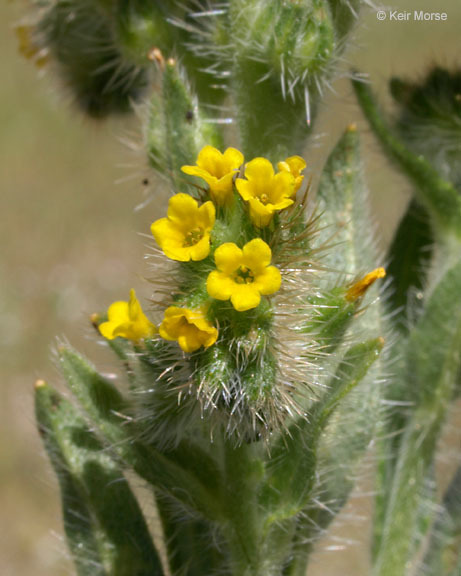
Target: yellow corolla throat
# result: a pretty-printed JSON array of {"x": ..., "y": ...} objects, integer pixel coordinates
[
  {"x": 185, "y": 233},
  {"x": 190, "y": 328},
  {"x": 127, "y": 320},
  {"x": 218, "y": 170},
  {"x": 243, "y": 275},
  {"x": 193, "y": 237},
  {"x": 265, "y": 191}
]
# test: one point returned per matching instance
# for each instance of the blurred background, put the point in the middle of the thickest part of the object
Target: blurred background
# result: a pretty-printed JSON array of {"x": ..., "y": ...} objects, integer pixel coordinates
[{"x": 71, "y": 243}]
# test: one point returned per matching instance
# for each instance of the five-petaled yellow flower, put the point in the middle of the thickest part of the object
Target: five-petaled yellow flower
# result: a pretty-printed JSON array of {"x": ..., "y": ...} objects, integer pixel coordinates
[
  {"x": 265, "y": 192},
  {"x": 127, "y": 320},
  {"x": 217, "y": 170},
  {"x": 190, "y": 328},
  {"x": 185, "y": 234},
  {"x": 243, "y": 275},
  {"x": 294, "y": 165}
]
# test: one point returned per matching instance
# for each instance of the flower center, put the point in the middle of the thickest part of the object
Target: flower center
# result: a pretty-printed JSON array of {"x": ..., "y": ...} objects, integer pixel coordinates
[
  {"x": 193, "y": 237},
  {"x": 244, "y": 276},
  {"x": 264, "y": 198}
]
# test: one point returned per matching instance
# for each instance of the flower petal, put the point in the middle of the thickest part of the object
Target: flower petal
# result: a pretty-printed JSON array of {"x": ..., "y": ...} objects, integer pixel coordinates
[
  {"x": 228, "y": 257},
  {"x": 259, "y": 170},
  {"x": 182, "y": 211},
  {"x": 256, "y": 255},
  {"x": 118, "y": 312},
  {"x": 222, "y": 190},
  {"x": 206, "y": 216},
  {"x": 245, "y": 297},
  {"x": 211, "y": 160},
  {"x": 165, "y": 232},
  {"x": 173, "y": 319},
  {"x": 219, "y": 285},
  {"x": 107, "y": 329},
  {"x": 269, "y": 281},
  {"x": 282, "y": 187},
  {"x": 244, "y": 188},
  {"x": 293, "y": 164},
  {"x": 200, "y": 173},
  {"x": 233, "y": 159},
  {"x": 127, "y": 320},
  {"x": 200, "y": 250},
  {"x": 260, "y": 214},
  {"x": 189, "y": 340}
]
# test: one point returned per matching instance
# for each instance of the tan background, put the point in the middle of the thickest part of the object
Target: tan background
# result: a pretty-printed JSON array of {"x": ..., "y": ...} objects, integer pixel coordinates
[{"x": 70, "y": 245}]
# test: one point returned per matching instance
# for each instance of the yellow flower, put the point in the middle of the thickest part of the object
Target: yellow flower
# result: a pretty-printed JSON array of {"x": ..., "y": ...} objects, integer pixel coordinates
[
  {"x": 294, "y": 165},
  {"x": 243, "y": 275},
  {"x": 190, "y": 328},
  {"x": 217, "y": 170},
  {"x": 127, "y": 320},
  {"x": 265, "y": 192},
  {"x": 185, "y": 234},
  {"x": 358, "y": 289}
]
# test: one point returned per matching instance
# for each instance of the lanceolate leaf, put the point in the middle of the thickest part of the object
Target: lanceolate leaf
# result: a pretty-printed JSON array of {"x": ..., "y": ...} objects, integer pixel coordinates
[
  {"x": 178, "y": 471},
  {"x": 433, "y": 361},
  {"x": 409, "y": 257},
  {"x": 105, "y": 528}
]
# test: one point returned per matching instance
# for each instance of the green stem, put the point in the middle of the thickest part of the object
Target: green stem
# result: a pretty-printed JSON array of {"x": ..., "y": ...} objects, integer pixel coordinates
[{"x": 439, "y": 196}]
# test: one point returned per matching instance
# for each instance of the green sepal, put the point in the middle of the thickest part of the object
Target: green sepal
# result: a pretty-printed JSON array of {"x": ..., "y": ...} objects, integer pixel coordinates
[
  {"x": 439, "y": 197},
  {"x": 105, "y": 528},
  {"x": 333, "y": 315}
]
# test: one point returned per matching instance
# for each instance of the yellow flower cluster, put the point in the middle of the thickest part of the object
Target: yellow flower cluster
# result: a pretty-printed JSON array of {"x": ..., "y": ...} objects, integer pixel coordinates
[{"x": 241, "y": 275}]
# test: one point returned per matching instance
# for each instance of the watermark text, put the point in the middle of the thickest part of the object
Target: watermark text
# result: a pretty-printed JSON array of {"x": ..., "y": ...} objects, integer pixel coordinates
[{"x": 411, "y": 16}]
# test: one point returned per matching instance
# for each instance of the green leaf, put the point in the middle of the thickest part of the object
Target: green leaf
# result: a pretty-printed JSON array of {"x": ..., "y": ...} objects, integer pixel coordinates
[
  {"x": 105, "y": 528},
  {"x": 409, "y": 257},
  {"x": 186, "y": 472},
  {"x": 432, "y": 365},
  {"x": 343, "y": 200},
  {"x": 191, "y": 542},
  {"x": 443, "y": 553},
  {"x": 178, "y": 128},
  {"x": 294, "y": 459},
  {"x": 439, "y": 197}
]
